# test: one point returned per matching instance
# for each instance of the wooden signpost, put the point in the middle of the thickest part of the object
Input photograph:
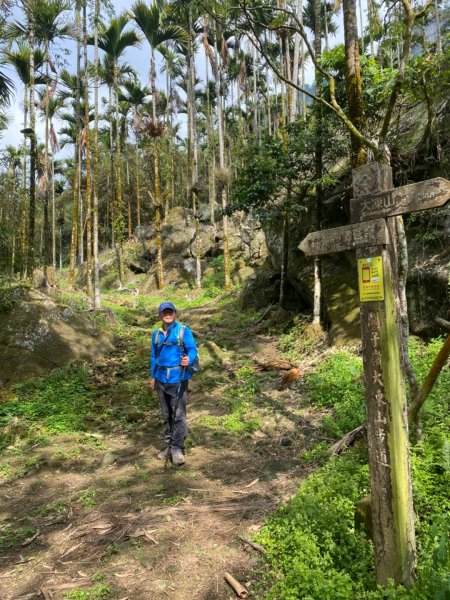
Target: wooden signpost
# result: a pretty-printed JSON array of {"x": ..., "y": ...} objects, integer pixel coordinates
[{"x": 387, "y": 425}]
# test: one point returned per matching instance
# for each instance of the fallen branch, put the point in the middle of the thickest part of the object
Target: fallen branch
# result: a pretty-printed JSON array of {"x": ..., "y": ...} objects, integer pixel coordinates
[
  {"x": 256, "y": 547},
  {"x": 31, "y": 539},
  {"x": 347, "y": 440},
  {"x": 430, "y": 380},
  {"x": 239, "y": 589}
]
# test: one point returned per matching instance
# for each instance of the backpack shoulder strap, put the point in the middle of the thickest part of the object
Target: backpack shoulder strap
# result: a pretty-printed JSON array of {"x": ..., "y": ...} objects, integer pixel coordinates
[{"x": 181, "y": 335}]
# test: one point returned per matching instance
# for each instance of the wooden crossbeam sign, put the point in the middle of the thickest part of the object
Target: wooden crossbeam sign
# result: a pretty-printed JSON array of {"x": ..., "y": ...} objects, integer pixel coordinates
[
  {"x": 345, "y": 238},
  {"x": 399, "y": 201},
  {"x": 375, "y": 202}
]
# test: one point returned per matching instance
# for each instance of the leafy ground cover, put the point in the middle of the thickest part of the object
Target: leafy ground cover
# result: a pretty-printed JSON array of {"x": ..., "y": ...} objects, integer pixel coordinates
[
  {"x": 314, "y": 550},
  {"x": 88, "y": 512}
]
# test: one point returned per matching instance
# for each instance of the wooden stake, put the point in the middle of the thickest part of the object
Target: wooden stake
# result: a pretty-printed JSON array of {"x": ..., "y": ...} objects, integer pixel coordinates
[
  {"x": 239, "y": 589},
  {"x": 387, "y": 427}
]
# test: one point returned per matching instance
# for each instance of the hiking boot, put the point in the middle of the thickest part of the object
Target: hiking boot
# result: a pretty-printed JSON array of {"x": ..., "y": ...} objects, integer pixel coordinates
[
  {"x": 177, "y": 457},
  {"x": 163, "y": 454}
]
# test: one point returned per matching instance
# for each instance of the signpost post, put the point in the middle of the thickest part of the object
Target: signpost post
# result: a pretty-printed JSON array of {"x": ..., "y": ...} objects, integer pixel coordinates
[{"x": 387, "y": 426}]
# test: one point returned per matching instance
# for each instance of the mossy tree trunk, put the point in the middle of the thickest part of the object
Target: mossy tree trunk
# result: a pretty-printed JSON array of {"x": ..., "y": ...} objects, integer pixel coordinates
[
  {"x": 353, "y": 82},
  {"x": 387, "y": 426}
]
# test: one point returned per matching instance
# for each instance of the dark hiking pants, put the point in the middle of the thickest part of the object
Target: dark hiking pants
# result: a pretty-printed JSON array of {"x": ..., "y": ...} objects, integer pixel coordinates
[{"x": 167, "y": 394}]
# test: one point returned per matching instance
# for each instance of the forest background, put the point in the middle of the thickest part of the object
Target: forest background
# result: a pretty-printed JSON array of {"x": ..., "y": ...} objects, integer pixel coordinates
[{"x": 248, "y": 106}]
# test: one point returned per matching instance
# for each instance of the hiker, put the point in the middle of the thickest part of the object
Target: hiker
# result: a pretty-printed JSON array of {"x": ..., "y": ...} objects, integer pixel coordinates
[{"x": 173, "y": 358}]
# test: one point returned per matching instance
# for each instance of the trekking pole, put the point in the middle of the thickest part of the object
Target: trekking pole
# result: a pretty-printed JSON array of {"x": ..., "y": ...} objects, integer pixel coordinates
[{"x": 172, "y": 420}]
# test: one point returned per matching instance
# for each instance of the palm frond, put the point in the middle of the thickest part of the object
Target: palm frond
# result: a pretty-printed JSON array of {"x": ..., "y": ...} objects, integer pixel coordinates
[{"x": 150, "y": 20}]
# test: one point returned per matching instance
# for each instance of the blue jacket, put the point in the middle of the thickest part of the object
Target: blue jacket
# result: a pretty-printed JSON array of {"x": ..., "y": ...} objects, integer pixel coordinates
[{"x": 165, "y": 357}]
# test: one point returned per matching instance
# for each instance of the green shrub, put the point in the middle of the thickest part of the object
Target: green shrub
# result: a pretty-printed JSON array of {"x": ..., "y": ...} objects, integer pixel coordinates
[
  {"x": 313, "y": 549},
  {"x": 338, "y": 384},
  {"x": 312, "y": 541}
]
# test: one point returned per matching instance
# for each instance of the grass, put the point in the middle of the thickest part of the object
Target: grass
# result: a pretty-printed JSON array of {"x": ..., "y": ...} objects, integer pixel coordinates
[
  {"x": 88, "y": 498},
  {"x": 239, "y": 399},
  {"x": 337, "y": 384},
  {"x": 100, "y": 591},
  {"x": 10, "y": 536},
  {"x": 57, "y": 403}
]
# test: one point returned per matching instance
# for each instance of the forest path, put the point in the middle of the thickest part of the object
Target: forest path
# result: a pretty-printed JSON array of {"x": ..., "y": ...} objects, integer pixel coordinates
[{"x": 97, "y": 511}]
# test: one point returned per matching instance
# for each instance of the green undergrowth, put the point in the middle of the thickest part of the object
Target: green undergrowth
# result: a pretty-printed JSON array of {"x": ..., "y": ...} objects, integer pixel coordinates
[
  {"x": 100, "y": 591},
  {"x": 238, "y": 400},
  {"x": 9, "y": 291},
  {"x": 314, "y": 551},
  {"x": 56, "y": 403},
  {"x": 301, "y": 340},
  {"x": 11, "y": 536},
  {"x": 338, "y": 384}
]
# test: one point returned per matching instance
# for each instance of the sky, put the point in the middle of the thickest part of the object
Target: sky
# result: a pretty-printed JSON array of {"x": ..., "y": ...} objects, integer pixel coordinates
[{"x": 138, "y": 58}]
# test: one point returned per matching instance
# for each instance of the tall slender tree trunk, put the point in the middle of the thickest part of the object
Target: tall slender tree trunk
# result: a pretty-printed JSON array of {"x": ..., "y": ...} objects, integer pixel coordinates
[
  {"x": 96, "y": 264},
  {"x": 53, "y": 215},
  {"x": 33, "y": 140},
  {"x": 23, "y": 200},
  {"x": 46, "y": 226},
  {"x": 318, "y": 159},
  {"x": 256, "y": 118},
  {"x": 137, "y": 183},
  {"x": 79, "y": 118},
  {"x": 87, "y": 146},
  {"x": 118, "y": 225},
  {"x": 223, "y": 167},
  {"x": 111, "y": 203},
  {"x": 74, "y": 228},
  {"x": 283, "y": 86},
  {"x": 158, "y": 200},
  {"x": 194, "y": 152},
  {"x": 353, "y": 81},
  {"x": 296, "y": 62},
  {"x": 437, "y": 19},
  {"x": 325, "y": 23},
  {"x": 210, "y": 151},
  {"x": 361, "y": 25}
]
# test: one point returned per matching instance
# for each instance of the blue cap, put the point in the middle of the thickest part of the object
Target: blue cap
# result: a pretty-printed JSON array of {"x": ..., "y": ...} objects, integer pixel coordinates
[{"x": 165, "y": 305}]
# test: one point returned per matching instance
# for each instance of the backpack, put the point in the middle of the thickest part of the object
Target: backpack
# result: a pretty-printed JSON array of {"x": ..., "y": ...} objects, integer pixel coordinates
[{"x": 193, "y": 367}]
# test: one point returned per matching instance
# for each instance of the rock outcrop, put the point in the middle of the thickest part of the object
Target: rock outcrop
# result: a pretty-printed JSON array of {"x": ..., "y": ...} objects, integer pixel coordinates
[{"x": 38, "y": 334}]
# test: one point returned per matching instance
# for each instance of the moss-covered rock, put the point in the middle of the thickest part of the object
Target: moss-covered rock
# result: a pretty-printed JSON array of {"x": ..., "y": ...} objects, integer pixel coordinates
[{"x": 39, "y": 335}]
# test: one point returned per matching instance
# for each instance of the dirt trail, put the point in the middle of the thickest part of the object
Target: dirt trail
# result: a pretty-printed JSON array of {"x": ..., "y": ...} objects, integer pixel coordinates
[{"x": 106, "y": 515}]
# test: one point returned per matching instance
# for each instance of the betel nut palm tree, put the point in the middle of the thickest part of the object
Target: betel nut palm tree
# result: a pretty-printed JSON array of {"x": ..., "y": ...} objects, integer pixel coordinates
[
  {"x": 151, "y": 20},
  {"x": 113, "y": 40},
  {"x": 135, "y": 97},
  {"x": 50, "y": 25}
]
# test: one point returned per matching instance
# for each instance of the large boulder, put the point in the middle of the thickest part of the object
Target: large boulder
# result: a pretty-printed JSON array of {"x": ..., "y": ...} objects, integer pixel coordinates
[{"x": 38, "y": 335}]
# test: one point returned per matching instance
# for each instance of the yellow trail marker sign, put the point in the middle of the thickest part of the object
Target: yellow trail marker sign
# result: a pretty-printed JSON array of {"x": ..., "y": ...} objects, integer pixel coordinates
[{"x": 370, "y": 278}]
